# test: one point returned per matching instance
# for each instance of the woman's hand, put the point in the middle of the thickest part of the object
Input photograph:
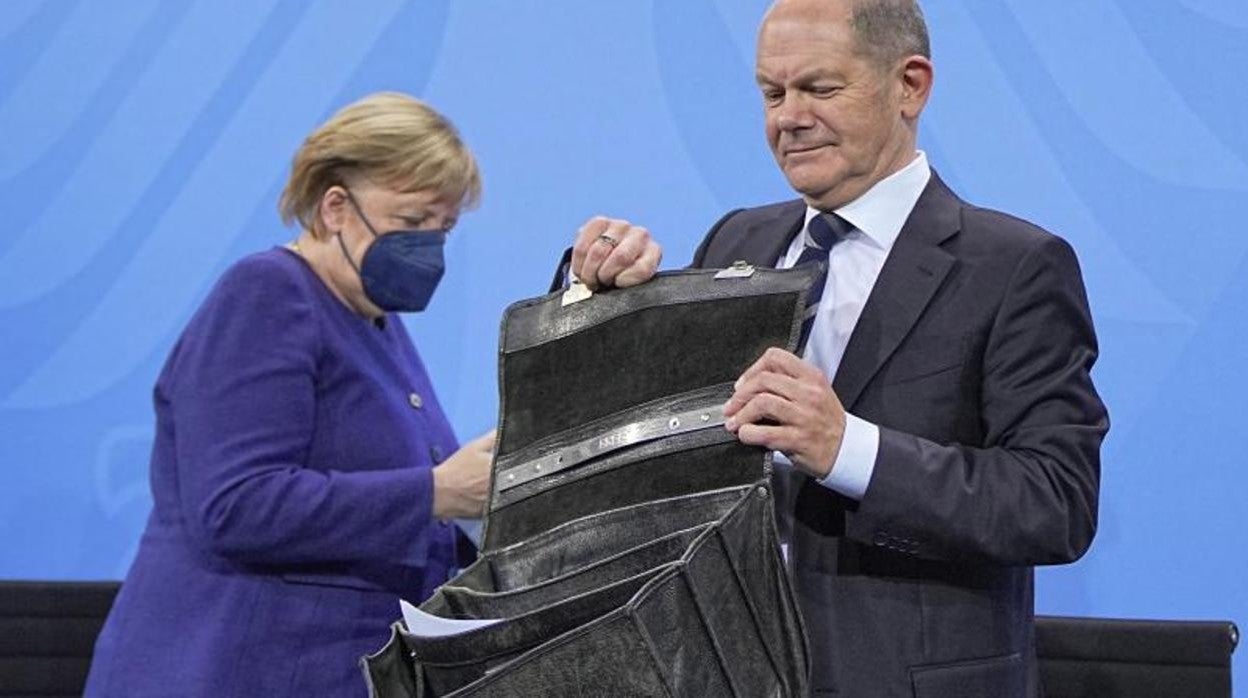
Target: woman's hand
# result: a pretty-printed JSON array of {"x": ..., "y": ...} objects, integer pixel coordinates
[{"x": 461, "y": 484}]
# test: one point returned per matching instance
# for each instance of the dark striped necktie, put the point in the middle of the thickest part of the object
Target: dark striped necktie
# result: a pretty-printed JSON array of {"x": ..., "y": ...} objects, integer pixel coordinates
[{"x": 823, "y": 231}]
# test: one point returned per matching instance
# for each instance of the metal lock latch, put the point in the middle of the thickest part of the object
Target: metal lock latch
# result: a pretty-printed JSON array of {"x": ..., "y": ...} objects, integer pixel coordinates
[
  {"x": 740, "y": 269},
  {"x": 576, "y": 292}
]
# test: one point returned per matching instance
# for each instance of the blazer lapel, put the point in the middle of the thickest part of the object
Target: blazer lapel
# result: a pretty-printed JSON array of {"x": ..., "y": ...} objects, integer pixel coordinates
[
  {"x": 762, "y": 243},
  {"x": 914, "y": 270}
]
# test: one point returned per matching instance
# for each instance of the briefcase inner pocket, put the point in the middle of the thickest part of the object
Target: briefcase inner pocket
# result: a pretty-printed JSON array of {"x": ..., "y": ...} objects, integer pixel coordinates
[
  {"x": 452, "y": 661},
  {"x": 597, "y": 537},
  {"x": 465, "y": 591},
  {"x": 583, "y": 599}
]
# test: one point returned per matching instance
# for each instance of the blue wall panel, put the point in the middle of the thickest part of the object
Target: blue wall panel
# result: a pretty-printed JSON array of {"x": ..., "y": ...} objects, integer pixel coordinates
[{"x": 144, "y": 144}]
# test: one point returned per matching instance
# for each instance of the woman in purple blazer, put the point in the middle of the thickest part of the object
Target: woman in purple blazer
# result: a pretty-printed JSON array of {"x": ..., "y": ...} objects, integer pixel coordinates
[{"x": 303, "y": 472}]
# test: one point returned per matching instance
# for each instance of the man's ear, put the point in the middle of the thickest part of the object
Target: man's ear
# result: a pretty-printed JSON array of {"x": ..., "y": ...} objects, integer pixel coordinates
[{"x": 917, "y": 74}]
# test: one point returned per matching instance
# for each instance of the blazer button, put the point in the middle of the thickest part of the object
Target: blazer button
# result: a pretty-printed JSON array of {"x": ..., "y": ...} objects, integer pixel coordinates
[
  {"x": 435, "y": 454},
  {"x": 881, "y": 539},
  {"x": 415, "y": 400}
]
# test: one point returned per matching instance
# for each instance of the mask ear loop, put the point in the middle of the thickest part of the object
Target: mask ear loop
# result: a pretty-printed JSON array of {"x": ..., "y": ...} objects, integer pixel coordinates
[{"x": 342, "y": 244}]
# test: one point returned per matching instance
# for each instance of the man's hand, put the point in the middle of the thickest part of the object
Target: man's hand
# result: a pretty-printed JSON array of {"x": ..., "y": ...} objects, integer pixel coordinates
[
  {"x": 787, "y": 405},
  {"x": 611, "y": 252}
]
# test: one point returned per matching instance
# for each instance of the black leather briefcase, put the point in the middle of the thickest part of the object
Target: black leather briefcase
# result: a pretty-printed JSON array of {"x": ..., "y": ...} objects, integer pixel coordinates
[{"x": 630, "y": 542}]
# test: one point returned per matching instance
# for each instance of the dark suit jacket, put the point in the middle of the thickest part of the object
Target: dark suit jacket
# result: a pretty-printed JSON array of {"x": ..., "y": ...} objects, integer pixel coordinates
[{"x": 972, "y": 355}]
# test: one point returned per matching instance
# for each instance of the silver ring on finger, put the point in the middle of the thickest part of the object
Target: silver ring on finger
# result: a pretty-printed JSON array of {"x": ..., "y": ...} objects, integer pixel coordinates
[{"x": 608, "y": 239}]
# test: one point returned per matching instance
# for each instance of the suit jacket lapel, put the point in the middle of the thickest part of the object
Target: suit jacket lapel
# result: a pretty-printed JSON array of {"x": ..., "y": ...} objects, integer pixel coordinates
[
  {"x": 762, "y": 243},
  {"x": 914, "y": 270}
]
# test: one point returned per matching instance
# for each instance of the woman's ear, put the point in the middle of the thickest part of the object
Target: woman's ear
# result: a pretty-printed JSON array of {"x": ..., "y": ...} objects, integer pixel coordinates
[{"x": 332, "y": 211}]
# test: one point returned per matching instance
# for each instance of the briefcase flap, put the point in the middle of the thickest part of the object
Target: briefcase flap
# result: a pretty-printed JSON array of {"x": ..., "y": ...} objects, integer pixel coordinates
[{"x": 618, "y": 398}]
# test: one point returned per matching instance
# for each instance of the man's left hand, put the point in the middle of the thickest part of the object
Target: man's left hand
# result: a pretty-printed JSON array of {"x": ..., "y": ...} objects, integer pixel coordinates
[{"x": 787, "y": 405}]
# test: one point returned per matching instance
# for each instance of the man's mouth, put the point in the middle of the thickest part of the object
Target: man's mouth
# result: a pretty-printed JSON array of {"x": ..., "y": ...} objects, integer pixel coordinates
[{"x": 799, "y": 149}]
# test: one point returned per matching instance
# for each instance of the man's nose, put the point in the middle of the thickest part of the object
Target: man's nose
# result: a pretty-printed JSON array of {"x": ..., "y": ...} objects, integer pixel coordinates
[{"x": 792, "y": 114}]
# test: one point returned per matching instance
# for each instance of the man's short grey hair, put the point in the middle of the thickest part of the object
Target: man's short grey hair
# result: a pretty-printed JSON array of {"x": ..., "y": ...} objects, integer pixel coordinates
[{"x": 889, "y": 30}]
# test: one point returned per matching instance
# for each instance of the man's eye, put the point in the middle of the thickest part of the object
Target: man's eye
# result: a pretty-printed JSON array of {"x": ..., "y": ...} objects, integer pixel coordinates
[
  {"x": 824, "y": 90},
  {"x": 773, "y": 96}
]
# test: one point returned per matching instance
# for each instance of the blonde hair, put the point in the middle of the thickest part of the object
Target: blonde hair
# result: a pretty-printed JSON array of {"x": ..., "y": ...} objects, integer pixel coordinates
[{"x": 388, "y": 138}]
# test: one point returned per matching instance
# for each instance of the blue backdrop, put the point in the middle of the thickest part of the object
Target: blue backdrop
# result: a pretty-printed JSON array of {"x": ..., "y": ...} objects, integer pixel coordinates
[{"x": 144, "y": 143}]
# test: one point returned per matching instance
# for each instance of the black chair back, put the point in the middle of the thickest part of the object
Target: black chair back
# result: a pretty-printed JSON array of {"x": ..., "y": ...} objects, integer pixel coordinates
[
  {"x": 47, "y": 634},
  {"x": 1105, "y": 658}
]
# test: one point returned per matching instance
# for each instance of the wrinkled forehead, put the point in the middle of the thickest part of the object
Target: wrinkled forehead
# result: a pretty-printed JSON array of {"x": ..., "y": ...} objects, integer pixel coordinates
[
  {"x": 784, "y": 33},
  {"x": 833, "y": 9},
  {"x": 788, "y": 47}
]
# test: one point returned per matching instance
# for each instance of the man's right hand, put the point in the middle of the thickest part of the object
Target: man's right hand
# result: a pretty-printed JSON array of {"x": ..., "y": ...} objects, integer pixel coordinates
[
  {"x": 461, "y": 484},
  {"x": 613, "y": 252}
]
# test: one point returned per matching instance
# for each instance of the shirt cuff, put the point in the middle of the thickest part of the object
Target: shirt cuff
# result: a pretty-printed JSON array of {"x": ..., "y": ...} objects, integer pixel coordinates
[{"x": 854, "y": 463}]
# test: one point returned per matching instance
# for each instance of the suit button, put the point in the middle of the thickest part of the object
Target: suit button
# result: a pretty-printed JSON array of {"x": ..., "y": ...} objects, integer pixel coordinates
[
  {"x": 415, "y": 400},
  {"x": 881, "y": 539},
  {"x": 435, "y": 454}
]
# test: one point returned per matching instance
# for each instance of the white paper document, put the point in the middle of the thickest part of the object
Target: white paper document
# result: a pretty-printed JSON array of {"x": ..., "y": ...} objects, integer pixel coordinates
[{"x": 423, "y": 624}]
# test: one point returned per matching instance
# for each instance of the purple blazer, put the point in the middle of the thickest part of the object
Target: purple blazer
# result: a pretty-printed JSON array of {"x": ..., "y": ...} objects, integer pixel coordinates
[{"x": 293, "y": 492}]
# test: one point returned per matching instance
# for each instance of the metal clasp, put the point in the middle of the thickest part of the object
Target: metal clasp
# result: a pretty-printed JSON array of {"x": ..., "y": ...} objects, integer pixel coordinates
[
  {"x": 740, "y": 269},
  {"x": 576, "y": 292}
]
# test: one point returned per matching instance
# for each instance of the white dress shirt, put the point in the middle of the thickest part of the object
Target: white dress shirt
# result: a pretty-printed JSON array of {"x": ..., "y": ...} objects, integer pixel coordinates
[{"x": 853, "y": 266}]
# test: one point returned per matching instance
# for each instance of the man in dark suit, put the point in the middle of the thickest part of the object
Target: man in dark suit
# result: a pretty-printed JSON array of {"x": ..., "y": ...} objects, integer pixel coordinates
[{"x": 957, "y": 445}]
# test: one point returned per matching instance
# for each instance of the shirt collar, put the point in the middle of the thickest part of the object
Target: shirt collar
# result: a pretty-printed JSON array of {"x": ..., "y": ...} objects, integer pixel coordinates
[{"x": 883, "y": 209}]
